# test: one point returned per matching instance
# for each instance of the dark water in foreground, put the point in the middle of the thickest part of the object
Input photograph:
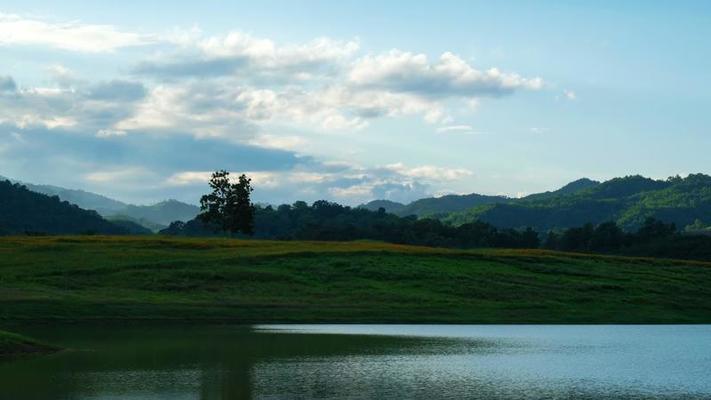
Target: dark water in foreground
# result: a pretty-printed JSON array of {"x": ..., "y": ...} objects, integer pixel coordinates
[{"x": 365, "y": 361}]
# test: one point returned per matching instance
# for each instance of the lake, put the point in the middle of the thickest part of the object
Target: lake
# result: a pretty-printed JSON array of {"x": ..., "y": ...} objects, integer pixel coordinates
[{"x": 364, "y": 361}]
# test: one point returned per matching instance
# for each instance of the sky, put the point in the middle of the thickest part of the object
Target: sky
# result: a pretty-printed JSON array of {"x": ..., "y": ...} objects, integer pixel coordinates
[{"x": 351, "y": 101}]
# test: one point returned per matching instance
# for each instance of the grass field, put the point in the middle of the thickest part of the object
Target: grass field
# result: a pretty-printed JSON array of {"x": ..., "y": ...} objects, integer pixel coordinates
[{"x": 146, "y": 278}]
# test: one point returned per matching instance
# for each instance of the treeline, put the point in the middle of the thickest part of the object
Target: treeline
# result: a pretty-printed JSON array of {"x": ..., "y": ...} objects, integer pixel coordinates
[
  {"x": 653, "y": 239},
  {"x": 324, "y": 220},
  {"x": 328, "y": 221}
]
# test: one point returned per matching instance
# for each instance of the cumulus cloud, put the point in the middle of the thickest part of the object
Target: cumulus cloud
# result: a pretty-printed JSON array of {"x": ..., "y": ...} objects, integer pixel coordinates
[
  {"x": 278, "y": 141},
  {"x": 324, "y": 83},
  {"x": 198, "y": 108},
  {"x": 74, "y": 36},
  {"x": 86, "y": 106},
  {"x": 250, "y": 85},
  {"x": 450, "y": 76},
  {"x": 250, "y": 103},
  {"x": 429, "y": 172},
  {"x": 569, "y": 94},
  {"x": 255, "y": 58}
]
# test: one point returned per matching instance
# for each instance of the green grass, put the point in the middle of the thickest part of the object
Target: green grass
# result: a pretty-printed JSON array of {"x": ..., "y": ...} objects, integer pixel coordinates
[
  {"x": 147, "y": 278},
  {"x": 13, "y": 345}
]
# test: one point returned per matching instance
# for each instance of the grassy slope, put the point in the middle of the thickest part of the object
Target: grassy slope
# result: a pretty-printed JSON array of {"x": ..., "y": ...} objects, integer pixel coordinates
[
  {"x": 12, "y": 345},
  {"x": 264, "y": 281}
]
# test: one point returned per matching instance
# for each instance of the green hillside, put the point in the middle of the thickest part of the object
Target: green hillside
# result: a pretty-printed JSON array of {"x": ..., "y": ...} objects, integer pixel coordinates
[
  {"x": 148, "y": 278},
  {"x": 25, "y": 212},
  {"x": 153, "y": 217},
  {"x": 627, "y": 201},
  {"x": 435, "y": 206},
  {"x": 86, "y": 200},
  {"x": 392, "y": 207}
]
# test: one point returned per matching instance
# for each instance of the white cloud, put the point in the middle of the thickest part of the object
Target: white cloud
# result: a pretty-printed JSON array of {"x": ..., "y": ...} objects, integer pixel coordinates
[
  {"x": 429, "y": 172},
  {"x": 84, "y": 107},
  {"x": 322, "y": 83},
  {"x": 105, "y": 133},
  {"x": 74, "y": 36},
  {"x": 201, "y": 109},
  {"x": 265, "y": 53},
  {"x": 188, "y": 178},
  {"x": 63, "y": 76},
  {"x": 364, "y": 191},
  {"x": 278, "y": 142},
  {"x": 462, "y": 129},
  {"x": 257, "y": 59},
  {"x": 118, "y": 175},
  {"x": 283, "y": 96},
  {"x": 262, "y": 179},
  {"x": 50, "y": 122},
  {"x": 569, "y": 94},
  {"x": 451, "y": 76}
]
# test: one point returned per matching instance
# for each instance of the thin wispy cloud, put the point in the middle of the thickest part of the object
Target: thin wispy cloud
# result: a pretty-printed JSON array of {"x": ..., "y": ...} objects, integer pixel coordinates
[
  {"x": 16, "y": 30},
  {"x": 459, "y": 129}
]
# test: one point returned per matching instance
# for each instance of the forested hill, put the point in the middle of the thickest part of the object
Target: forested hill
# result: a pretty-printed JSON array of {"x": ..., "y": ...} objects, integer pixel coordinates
[
  {"x": 435, "y": 206},
  {"x": 86, "y": 200},
  {"x": 154, "y": 217},
  {"x": 441, "y": 207},
  {"x": 628, "y": 201},
  {"x": 26, "y": 212}
]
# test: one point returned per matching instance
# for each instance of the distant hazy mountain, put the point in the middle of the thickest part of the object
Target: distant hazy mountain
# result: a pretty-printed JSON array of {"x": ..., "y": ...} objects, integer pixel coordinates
[
  {"x": 23, "y": 211},
  {"x": 627, "y": 201},
  {"x": 153, "y": 217},
  {"x": 86, "y": 200},
  {"x": 162, "y": 213}
]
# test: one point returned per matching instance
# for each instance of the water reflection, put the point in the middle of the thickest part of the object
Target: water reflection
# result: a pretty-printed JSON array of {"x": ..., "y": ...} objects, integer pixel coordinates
[{"x": 365, "y": 361}]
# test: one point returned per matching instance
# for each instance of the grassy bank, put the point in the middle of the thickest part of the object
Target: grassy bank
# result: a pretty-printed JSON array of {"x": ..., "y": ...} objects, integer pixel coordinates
[
  {"x": 14, "y": 345},
  {"x": 84, "y": 278}
]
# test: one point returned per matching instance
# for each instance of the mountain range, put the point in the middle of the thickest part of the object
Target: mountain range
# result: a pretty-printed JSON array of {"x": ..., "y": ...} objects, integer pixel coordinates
[
  {"x": 23, "y": 211},
  {"x": 627, "y": 201},
  {"x": 153, "y": 217}
]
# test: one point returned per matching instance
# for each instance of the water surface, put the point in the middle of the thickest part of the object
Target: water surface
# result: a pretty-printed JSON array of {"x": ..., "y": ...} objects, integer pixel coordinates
[{"x": 365, "y": 361}]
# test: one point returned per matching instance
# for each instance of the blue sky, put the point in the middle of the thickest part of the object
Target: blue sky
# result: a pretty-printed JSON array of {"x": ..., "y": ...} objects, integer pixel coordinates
[{"x": 351, "y": 101}]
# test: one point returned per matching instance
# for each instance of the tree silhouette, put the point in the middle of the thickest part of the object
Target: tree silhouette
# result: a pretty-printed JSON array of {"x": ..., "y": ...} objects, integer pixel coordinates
[{"x": 229, "y": 206}]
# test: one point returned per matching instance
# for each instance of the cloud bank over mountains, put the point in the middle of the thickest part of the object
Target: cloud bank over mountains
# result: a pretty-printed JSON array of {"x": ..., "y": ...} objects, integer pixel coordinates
[{"x": 194, "y": 103}]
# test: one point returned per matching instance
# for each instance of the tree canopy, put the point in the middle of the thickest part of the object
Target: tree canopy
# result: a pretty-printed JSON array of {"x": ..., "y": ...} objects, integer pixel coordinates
[{"x": 229, "y": 206}]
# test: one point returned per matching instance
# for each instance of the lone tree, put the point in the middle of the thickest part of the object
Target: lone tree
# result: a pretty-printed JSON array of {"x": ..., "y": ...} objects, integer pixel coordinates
[{"x": 229, "y": 206}]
